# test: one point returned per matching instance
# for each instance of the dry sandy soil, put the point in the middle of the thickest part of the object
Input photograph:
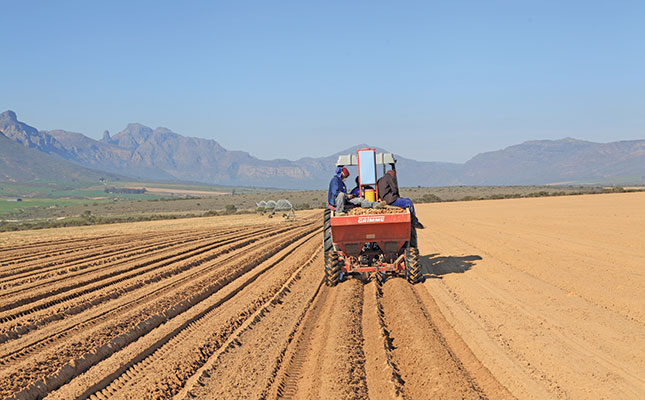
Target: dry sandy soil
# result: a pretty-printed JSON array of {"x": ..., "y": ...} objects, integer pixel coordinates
[
  {"x": 548, "y": 293},
  {"x": 526, "y": 298}
]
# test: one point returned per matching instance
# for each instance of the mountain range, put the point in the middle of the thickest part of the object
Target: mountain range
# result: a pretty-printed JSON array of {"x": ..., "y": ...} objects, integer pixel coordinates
[{"x": 143, "y": 153}]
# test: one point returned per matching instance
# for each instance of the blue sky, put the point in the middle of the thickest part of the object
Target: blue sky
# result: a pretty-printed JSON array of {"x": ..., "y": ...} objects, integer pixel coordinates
[{"x": 430, "y": 80}]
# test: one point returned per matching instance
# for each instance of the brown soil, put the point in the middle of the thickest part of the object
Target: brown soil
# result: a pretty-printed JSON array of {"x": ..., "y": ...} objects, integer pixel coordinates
[
  {"x": 527, "y": 298},
  {"x": 547, "y": 293}
]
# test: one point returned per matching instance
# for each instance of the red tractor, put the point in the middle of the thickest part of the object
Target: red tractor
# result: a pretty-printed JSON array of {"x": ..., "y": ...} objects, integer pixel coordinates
[{"x": 382, "y": 244}]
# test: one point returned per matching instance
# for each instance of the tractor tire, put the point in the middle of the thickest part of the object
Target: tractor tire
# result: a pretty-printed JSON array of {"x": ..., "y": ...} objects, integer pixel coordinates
[
  {"x": 413, "y": 237},
  {"x": 381, "y": 277},
  {"x": 327, "y": 240},
  {"x": 412, "y": 265},
  {"x": 332, "y": 268},
  {"x": 332, "y": 264}
]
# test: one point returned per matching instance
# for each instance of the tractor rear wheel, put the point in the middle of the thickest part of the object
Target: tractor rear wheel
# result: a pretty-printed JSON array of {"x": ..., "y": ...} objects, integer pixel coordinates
[
  {"x": 332, "y": 264},
  {"x": 381, "y": 277},
  {"x": 412, "y": 265},
  {"x": 327, "y": 240},
  {"x": 413, "y": 237},
  {"x": 332, "y": 268}
]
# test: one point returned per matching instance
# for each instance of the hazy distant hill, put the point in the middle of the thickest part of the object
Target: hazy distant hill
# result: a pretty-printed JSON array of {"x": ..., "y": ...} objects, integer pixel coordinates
[
  {"x": 550, "y": 161},
  {"x": 145, "y": 153},
  {"x": 27, "y": 155},
  {"x": 184, "y": 158},
  {"x": 106, "y": 157},
  {"x": 19, "y": 163}
]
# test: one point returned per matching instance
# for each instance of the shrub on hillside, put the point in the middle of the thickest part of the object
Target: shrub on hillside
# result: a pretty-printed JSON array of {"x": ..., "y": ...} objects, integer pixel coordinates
[
  {"x": 429, "y": 198},
  {"x": 471, "y": 198}
]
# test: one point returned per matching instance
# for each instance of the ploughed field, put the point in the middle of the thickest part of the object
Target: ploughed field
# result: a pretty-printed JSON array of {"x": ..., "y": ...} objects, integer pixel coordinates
[{"x": 525, "y": 298}]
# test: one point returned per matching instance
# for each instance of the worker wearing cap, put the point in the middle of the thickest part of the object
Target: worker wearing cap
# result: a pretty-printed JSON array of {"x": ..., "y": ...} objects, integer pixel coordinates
[
  {"x": 337, "y": 195},
  {"x": 388, "y": 190}
]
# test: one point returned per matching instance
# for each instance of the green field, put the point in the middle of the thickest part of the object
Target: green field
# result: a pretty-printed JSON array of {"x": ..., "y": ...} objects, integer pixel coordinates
[
  {"x": 95, "y": 190},
  {"x": 26, "y": 205}
]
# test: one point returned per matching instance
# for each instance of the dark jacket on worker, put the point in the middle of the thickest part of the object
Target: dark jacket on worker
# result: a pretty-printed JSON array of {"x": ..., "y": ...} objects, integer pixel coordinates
[
  {"x": 388, "y": 189},
  {"x": 336, "y": 185}
]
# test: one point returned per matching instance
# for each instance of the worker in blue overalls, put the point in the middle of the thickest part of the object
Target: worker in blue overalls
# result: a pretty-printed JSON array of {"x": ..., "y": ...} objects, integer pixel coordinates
[{"x": 337, "y": 195}]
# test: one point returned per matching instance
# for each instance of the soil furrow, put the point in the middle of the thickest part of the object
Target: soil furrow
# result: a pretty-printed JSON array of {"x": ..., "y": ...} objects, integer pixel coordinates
[
  {"x": 532, "y": 298},
  {"x": 427, "y": 364},
  {"x": 396, "y": 380},
  {"x": 140, "y": 322},
  {"x": 254, "y": 353},
  {"x": 57, "y": 255},
  {"x": 327, "y": 359},
  {"x": 96, "y": 257},
  {"x": 153, "y": 261},
  {"x": 142, "y": 282},
  {"x": 188, "y": 329},
  {"x": 289, "y": 366}
]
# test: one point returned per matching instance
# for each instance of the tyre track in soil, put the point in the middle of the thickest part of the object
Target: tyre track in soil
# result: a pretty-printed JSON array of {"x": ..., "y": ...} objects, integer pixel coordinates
[
  {"x": 399, "y": 352},
  {"x": 430, "y": 359},
  {"x": 216, "y": 332},
  {"x": 58, "y": 294},
  {"x": 424, "y": 365},
  {"x": 39, "y": 270},
  {"x": 139, "y": 320},
  {"x": 326, "y": 358},
  {"x": 352, "y": 341}
]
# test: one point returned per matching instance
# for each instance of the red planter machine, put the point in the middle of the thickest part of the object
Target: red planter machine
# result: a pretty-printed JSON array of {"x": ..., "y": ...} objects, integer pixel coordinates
[{"x": 384, "y": 244}]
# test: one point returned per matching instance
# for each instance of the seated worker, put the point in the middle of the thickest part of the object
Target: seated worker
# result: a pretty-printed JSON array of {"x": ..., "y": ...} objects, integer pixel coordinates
[
  {"x": 356, "y": 192},
  {"x": 388, "y": 190},
  {"x": 337, "y": 195}
]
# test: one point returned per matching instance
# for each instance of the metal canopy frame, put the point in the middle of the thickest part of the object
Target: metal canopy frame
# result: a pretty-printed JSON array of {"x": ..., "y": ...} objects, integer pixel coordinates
[
  {"x": 384, "y": 159},
  {"x": 349, "y": 160}
]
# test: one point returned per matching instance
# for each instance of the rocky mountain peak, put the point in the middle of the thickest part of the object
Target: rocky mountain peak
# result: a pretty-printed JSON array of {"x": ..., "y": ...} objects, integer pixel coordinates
[
  {"x": 132, "y": 136},
  {"x": 29, "y": 136},
  {"x": 136, "y": 130},
  {"x": 9, "y": 115},
  {"x": 106, "y": 136}
]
